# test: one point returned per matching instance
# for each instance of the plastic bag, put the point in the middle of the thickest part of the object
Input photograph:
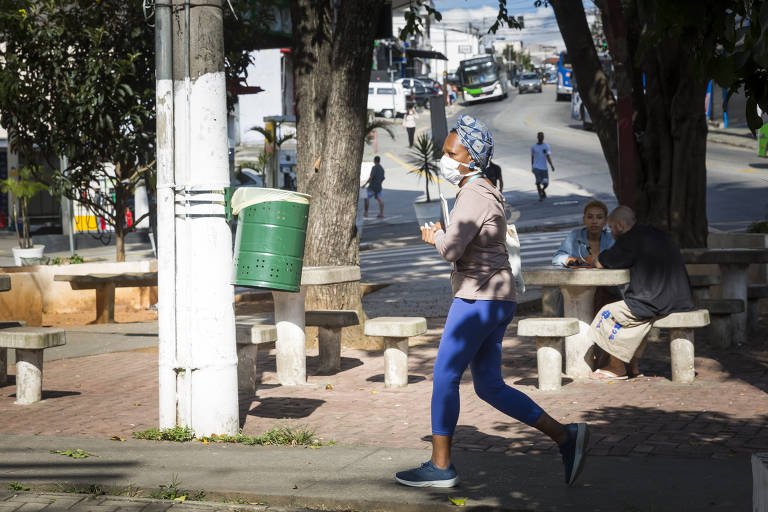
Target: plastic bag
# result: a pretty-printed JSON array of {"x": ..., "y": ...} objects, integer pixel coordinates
[{"x": 513, "y": 248}]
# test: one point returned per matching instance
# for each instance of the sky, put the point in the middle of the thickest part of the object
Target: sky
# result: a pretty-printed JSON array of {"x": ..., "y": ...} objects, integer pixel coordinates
[{"x": 540, "y": 24}]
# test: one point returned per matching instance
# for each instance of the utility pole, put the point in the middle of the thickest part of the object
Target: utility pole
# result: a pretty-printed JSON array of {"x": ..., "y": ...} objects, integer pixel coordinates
[{"x": 197, "y": 356}]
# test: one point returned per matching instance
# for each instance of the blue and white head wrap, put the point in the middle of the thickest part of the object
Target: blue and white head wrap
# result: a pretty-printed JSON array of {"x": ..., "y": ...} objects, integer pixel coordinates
[{"x": 476, "y": 138}]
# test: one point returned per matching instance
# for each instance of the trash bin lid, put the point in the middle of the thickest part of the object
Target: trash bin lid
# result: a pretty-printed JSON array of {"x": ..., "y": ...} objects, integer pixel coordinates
[{"x": 249, "y": 196}]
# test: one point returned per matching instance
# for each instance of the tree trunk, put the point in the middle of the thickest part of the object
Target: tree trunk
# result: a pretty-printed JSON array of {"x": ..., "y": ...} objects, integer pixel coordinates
[
  {"x": 332, "y": 58},
  {"x": 668, "y": 115},
  {"x": 119, "y": 224}
]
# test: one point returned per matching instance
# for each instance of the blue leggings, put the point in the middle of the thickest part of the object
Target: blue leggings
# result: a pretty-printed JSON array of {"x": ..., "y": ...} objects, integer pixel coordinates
[{"x": 472, "y": 336}]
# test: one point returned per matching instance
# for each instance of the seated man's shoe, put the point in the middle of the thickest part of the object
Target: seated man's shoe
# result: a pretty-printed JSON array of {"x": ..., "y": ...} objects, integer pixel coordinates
[
  {"x": 428, "y": 475},
  {"x": 574, "y": 450}
]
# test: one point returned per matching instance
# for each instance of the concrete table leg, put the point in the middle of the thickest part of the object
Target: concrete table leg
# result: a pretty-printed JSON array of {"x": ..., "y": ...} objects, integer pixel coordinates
[
  {"x": 721, "y": 329},
  {"x": 734, "y": 286},
  {"x": 549, "y": 301},
  {"x": 3, "y": 366},
  {"x": 578, "y": 303},
  {"x": 549, "y": 359},
  {"x": 682, "y": 353},
  {"x": 105, "y": 304},
  {"x": 291, "y": 339},
  {"x": 246, "y": 368},
  {"x": 395, "y": 362},
  {"x": 29, "y": 376},
  {"x": 329, "y": 346}
]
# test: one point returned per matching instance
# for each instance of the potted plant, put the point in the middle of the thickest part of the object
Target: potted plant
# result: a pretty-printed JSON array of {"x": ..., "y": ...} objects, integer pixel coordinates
[
  {"x": 423, "y": 156},
  {"x": 23, "y": 187}
]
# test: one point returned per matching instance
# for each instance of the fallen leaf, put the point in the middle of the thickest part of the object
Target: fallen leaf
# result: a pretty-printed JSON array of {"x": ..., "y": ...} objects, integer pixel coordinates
[
  {"x": 117, "y": 438},
  {"x": 180, "y": 499},
  {"x": 329, "y": 387},
  {"x": 459, "y": 502}
]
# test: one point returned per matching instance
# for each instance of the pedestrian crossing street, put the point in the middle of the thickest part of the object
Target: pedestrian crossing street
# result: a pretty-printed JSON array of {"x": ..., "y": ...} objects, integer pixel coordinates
[{"x": 423, "y": 261}]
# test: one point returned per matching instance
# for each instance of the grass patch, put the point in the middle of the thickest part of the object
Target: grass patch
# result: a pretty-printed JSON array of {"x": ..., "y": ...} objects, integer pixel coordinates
[
  {"x": 77, "y": 453},
  {"x": 174, "y": 492},
  {"x": 278, "y": 436},
  {"x": 178, "y": 434},
  {"x": 17, "y": 486}
]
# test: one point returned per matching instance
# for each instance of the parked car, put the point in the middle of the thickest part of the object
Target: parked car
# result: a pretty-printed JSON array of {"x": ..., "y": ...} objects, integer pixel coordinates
[
  {"x": 579, "y": 111},
  {"x": 415, "y": 91},
  {"x": 529, "y": 82},
  {"x": 432, "y": 84}
]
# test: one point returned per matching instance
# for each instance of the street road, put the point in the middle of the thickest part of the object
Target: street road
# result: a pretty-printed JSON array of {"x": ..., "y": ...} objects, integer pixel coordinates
[{"x": 737, "y": 178}]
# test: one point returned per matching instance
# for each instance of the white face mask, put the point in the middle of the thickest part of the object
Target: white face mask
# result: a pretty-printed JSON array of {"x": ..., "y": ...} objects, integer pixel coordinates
[{"x": 449, "y": 170}]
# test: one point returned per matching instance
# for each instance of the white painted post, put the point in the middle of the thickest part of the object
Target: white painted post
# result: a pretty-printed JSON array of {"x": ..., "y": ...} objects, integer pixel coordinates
[
  {"x": 206, "y": 356},
  {"x": 682, "y": 353},
  {"x": 578, "y": 303},
  {"x": 549, "y": 359},
  {"x": 291, "y": 340},
  {"x": 29, "y": 376},
  {"x": 166, "y": 218},
  {"x": 395, "y": 362}
]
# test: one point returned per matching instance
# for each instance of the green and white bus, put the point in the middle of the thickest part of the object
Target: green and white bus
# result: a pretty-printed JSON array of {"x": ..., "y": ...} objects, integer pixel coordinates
[{"x": 483, "y": 77}]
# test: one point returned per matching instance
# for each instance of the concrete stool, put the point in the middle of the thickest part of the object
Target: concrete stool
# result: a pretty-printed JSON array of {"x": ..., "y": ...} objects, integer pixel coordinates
[
  {"x": 755, "y": 293},
  {"x": 396, "y": 331},
  {"x": 721, "y": 327},
  {"x": 330, "y": 323},
  {"x": 700, "y": 285},
  {"x": 549, "y": 333},
  {"x": 681, "y": 338},
  {"x": 30, "y": 342},
  {"x": 249, "y": 337},
  {"x": 4, "y": 351},
  {"x": 759, "y": 481}
]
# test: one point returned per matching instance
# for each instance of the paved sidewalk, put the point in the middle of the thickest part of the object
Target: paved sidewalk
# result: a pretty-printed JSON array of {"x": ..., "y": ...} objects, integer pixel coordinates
[{"x": 655, "y": 444}]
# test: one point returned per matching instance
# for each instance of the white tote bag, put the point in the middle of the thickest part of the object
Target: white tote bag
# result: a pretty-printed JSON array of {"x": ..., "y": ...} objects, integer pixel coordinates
[{"x": 513, "y": 248}]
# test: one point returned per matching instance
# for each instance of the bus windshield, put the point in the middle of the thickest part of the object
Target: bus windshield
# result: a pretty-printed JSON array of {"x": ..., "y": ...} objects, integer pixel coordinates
[{"x": 478, "y": 72}]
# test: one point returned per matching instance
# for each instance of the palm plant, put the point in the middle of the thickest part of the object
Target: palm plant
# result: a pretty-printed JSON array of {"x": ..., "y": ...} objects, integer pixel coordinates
[
  {"x": 270, "y": 136},
  {"x": 372, "y": 126},
  {"x": 23, "y": 188},
  {"x": 423, "y": 156}
]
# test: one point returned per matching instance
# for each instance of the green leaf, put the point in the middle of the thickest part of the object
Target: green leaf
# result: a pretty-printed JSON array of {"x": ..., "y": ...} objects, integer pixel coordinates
[
  {"x": 459, "y": 502},
  {"x": 77, "y": 453}
]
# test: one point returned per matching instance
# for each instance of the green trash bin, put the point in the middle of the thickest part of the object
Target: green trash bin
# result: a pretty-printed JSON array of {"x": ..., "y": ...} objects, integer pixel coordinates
[
  {"x": 762, "y": 141},
  {"x": 269, "y": 242}
]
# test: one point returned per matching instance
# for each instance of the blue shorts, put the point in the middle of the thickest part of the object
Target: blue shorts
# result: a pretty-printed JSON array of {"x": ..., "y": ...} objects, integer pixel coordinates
[
  {"x": 371, "y": 194},
  {"x": 542, "y": 176}
]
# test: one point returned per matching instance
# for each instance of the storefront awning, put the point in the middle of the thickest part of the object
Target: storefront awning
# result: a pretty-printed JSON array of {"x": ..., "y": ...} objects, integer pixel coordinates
[{"x": 425, "y": 54}]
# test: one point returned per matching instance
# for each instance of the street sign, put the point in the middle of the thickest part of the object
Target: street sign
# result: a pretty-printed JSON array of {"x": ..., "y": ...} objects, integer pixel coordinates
[{"x": 465, "y": 48}]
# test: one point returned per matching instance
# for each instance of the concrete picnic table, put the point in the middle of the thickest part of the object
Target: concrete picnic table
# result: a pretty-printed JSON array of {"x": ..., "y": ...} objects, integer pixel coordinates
[
  {"x": 290, "y": 320},
  {"x": 734, "y": 264},
  {"x": 578, "y": 288},
  {"x": 105, "y": 285}
]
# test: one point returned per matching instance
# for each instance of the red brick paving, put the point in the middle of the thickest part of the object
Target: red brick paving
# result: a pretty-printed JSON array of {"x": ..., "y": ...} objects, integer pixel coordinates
[{"x": 724, "y": 412}]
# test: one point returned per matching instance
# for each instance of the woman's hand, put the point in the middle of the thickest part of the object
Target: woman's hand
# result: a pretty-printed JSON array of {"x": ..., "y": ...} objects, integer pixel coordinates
[{"x": 428, "y": 232}]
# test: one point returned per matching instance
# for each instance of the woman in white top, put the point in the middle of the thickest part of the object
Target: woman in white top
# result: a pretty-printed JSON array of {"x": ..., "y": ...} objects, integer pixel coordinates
[{"x": 409, "y": 122}]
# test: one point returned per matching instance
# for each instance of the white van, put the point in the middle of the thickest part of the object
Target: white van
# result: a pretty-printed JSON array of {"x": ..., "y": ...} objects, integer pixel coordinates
[{"x": 386, "y": 98}]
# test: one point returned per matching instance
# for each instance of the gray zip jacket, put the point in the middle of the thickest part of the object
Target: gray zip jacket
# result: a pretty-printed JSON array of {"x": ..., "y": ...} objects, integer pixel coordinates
[{"x": 475, "y": 242}]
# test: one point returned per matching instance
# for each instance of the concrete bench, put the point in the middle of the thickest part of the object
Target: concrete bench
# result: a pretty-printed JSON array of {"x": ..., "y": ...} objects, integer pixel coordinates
[
  {"x": 681, "y": 336},
  {"x": 760, "y": 482},
  {"x": 105, "y": 285},
  {"x": 396, "y": 331},
  {"x": 4, "y": 351},
  {"x": 755, "y": 293},
  {"x": 249, "y": 338},
  {"x": 700, "y": 285},
  {"x": 721, "y": 313},
  {"x": 29, "y": 343},
  {"x": 330, "y": 323},
  {"x": 549, "y": 334}
]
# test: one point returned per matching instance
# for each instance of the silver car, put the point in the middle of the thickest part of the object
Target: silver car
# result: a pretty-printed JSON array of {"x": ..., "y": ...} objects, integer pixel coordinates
[{"x": 529, "y": 82}]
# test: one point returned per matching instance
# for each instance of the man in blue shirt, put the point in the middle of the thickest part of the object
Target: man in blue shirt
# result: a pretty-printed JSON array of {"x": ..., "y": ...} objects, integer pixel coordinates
[
  {"x": 374, "y": 187},
  {"x": 540, "y": 155}
]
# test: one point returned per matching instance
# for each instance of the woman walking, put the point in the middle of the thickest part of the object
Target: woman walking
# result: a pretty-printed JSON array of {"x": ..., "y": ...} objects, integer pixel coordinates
[
  {"x": 409, "y": 122},
  {"x": 483, "y": 305}
]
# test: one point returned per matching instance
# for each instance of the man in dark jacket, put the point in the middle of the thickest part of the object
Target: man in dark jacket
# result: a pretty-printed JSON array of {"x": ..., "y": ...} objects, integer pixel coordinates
[{"x": 658, "y": 286}]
